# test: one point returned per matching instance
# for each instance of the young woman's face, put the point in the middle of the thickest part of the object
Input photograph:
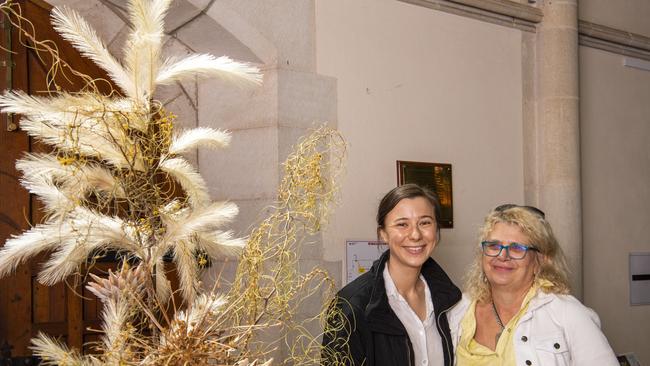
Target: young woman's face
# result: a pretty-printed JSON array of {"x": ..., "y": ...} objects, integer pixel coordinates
[
  {"x": 410, "y": 231},
  {"x": 505, "y": 272}
]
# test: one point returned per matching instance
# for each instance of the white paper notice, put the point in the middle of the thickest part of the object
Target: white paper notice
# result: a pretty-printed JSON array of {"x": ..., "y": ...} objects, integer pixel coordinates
[{"x": 360, "y": 254}]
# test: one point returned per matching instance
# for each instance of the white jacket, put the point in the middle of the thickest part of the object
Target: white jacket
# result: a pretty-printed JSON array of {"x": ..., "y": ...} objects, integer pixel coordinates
[{"x": 555, "y": 330}]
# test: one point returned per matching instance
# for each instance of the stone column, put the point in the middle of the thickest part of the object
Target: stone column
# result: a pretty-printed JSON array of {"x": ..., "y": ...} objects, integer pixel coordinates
[{"x": 555, "y": 184}]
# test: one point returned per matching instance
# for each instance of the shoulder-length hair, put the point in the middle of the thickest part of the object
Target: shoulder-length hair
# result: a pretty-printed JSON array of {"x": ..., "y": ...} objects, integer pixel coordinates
[{"x": 532, "y": 222}]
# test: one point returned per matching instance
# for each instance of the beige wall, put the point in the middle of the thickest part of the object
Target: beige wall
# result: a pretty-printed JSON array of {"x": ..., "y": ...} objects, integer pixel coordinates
[
  {"x": 421, "y": 85},
  {"x": 615, "y": 139},
  {"x": 628, "y": 15}
]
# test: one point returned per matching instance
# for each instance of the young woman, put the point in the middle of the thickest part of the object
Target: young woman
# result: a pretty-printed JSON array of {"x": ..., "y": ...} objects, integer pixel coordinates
[{"x": 395, "y": 314}]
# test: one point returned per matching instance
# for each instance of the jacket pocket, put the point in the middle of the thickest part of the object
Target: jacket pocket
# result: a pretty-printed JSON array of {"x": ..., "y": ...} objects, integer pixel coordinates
[{"x": 553, "y": 350}]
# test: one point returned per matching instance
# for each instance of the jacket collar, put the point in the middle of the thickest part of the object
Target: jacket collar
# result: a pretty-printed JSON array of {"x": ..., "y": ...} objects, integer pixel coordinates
[
  {"x": 540, "y": 299},
  {"x": 380, "y": 316}
]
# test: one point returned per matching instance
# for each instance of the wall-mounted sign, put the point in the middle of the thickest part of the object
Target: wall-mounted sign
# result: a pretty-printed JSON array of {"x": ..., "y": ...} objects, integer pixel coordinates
[
  {"x": 359, "y": 255},
  {"x": 436, "y": 177},
  {"x": 639, "y": 278}
]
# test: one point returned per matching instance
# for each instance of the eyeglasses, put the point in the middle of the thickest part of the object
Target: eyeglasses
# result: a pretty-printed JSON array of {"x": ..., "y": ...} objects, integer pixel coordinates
[
  {"x": 531, "y": 209},
  {"x": 493, "y": 248}
]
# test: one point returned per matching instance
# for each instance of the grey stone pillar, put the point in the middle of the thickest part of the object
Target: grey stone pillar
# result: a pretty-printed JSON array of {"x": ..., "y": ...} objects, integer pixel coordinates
[{"x": 555, "y": 183}]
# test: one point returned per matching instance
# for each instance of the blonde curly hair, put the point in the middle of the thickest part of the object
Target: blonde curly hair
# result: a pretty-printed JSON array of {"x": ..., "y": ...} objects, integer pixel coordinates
[{"x": 532, "y": 222}]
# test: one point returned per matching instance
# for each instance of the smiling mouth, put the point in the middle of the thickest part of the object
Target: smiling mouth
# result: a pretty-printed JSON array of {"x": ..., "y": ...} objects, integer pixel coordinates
[
  {"x": 501, "y": 268},
  {"x": 415, "y": 250}
]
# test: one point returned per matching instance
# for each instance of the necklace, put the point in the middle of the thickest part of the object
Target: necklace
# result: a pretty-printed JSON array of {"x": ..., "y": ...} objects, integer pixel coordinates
[{"x": 498, "y": 319}]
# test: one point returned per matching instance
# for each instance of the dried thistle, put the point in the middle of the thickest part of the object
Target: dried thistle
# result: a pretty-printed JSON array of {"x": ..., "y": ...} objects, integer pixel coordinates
[{"x": 128, "y": 281}]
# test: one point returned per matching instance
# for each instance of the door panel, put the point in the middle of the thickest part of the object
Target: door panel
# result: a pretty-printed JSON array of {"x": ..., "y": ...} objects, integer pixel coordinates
[
  {"x": 15, "y": 211},
  {"x": 26, "y": 306}
]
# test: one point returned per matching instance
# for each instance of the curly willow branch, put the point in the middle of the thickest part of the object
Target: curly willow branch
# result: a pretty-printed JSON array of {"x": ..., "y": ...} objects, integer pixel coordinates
[
  {"x": 268, "y": 288},
  {"x": 47, "y": 52}
]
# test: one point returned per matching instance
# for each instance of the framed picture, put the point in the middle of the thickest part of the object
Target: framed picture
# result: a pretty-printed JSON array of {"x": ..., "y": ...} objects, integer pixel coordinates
[{"x": 435, "y": 176}]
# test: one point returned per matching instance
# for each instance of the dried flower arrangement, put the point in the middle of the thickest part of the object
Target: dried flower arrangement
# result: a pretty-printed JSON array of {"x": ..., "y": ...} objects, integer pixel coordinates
[{"x": 116, "y": 180}]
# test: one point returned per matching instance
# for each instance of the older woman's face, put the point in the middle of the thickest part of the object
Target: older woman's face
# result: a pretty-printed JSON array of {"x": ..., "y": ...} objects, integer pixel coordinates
[
  {"x": 504, "y": 273},
  {"x": 410, "y": 231}
]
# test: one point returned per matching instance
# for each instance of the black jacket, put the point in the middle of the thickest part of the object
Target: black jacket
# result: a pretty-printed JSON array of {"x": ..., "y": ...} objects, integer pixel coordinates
[{"x": 362, "y": 329}]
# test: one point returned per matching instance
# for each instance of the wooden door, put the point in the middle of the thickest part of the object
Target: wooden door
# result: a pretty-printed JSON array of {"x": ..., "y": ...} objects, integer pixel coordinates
[{"x": 26, "y": 306}]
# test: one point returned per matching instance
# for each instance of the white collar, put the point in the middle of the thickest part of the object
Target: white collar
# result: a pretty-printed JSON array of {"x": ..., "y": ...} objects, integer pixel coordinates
[{"x": 392, "y": 293}]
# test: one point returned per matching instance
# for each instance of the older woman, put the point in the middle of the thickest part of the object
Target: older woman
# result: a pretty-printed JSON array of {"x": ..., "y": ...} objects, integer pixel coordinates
[
  {"x": 519, "y": 311},
  {"x": 395, "y": 314}
]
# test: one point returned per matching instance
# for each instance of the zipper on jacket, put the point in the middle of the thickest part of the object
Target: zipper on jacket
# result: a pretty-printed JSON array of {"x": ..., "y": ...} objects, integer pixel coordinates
[{"x": 444, "y": 336}]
